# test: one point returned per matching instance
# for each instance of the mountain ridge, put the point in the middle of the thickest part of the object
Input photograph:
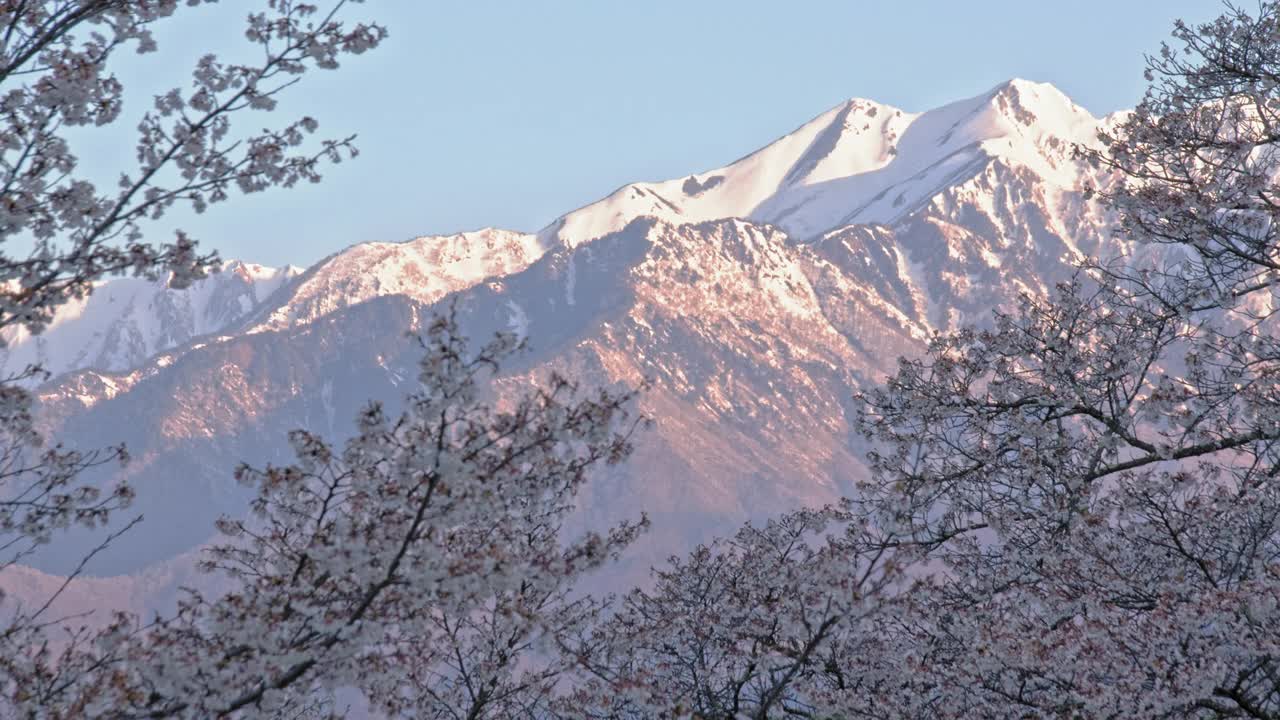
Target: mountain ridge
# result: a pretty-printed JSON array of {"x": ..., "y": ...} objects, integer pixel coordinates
[
  {"x": 755, "y": 334},
  {"x": 830, "y": 172}
]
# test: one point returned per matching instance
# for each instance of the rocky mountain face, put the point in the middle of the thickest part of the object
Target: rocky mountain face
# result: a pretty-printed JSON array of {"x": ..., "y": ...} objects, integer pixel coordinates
[{"x": 755, "y": 298}]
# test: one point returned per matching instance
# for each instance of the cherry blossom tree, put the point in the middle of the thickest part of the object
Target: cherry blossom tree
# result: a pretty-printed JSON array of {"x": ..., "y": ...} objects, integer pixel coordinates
[
  {"x": 422, "y": 563},
  {"x": 55, "y": 74},
  {"x": 1095, "y": 477},
  {"x": 60, "y": 232},
  {"x": 1082, "y": 498},
  {"x": 747, "y": 627}
]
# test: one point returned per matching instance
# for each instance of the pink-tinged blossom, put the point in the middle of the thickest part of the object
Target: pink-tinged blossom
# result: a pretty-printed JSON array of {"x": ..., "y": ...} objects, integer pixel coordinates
[
  {"x": 424, "y": 562},
  {"x": 56, "y": 60}
]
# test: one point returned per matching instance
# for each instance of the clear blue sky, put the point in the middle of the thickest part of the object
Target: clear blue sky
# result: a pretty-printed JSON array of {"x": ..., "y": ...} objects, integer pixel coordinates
[{"x": 480, "y": 112}]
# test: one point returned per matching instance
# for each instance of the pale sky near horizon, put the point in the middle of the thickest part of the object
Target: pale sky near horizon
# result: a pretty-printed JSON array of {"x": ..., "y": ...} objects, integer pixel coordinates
[{"x": 508, "y": 114}]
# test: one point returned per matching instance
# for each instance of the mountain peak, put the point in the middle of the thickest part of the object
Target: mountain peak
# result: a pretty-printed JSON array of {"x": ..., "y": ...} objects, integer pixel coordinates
[
  {"x": 424, "y": 268},
  {"x": 1035, "y": 87},
  {"x": 1042, "y": 103},
  {"x": 860, "y": 161}
]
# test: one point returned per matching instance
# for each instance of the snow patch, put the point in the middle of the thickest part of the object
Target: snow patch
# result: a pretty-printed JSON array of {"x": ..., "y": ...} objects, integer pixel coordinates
[{"x": 518, "y": 321}]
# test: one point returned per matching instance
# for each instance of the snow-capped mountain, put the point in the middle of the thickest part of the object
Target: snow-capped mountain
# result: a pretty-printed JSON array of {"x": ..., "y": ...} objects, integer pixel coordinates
[
  {"x": 425, "y": 269},
  {"x": 757, "y": 298},
  {"x": 126, "y": 321},
  {"x": 863, "y": 163}
]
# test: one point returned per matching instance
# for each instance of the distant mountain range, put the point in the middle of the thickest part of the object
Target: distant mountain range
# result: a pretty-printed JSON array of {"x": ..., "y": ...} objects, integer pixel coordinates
[{"x": 756, "y": 297}]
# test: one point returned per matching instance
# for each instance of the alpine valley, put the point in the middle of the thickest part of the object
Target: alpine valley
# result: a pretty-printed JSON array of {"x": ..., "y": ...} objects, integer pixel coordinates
[{"x": 755, "y": 299}]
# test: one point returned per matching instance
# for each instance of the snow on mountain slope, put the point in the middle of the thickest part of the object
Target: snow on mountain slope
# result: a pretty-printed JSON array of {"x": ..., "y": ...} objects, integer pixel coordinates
[
  {"x": 743, "y": 333},
  {"x": 1020, "y": 124},
  {"x": 127, "y": 320},
  {"x": 861, "y": 162},
  {"x": 424, "y": 269},
  {"x": 983, "y": 174},
  {"x": 856, "y": 137}
]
